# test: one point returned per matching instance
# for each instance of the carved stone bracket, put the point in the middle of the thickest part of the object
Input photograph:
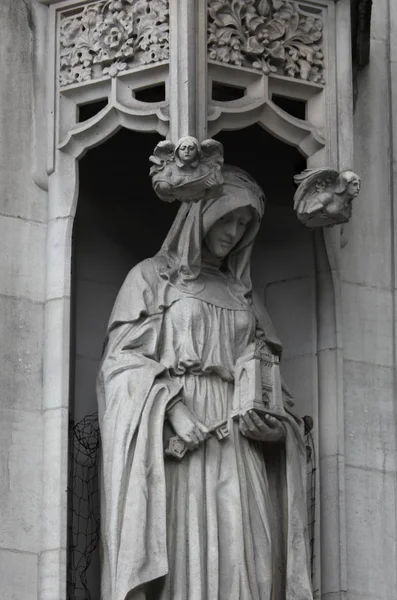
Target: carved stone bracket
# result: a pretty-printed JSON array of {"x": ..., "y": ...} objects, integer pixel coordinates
[
  {"x": 189, "y": 171},
  {"x": 324, "y": 196},
  {"x": 273, "y": 36}
]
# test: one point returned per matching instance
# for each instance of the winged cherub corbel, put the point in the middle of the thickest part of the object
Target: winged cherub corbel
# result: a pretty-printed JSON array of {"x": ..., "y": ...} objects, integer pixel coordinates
[
  {"x": 189, "y": 171},
  {"x": 324, "y": 196}
]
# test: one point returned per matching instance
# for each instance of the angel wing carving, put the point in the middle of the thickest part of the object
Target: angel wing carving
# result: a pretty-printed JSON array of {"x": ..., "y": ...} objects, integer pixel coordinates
[
  {"x": 188, "y": 171},
  {"x": 324, "y": 196},
  {"x": 162, "y": 154},
  {"x": 212, "y": 149}
]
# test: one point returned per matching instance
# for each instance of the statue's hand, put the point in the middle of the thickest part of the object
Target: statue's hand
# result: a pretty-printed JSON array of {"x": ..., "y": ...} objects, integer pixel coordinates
[
  {"x": 187, "y": 426},
  {"x": 268, "y": 429}
]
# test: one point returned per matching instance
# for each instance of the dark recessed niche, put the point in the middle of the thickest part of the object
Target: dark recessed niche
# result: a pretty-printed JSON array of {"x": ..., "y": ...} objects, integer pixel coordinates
[
  {"x": 270, "y": 161},
  {"x": 155, "y": 93},
  {"x": 86, "y": 111},
  {"x": 225, "y": 93},
  {"x": 295, "y": 108}
]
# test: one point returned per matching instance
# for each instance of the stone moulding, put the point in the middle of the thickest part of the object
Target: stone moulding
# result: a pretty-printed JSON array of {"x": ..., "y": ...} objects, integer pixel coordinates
[
  {"x": 103, "y": 38},
  {"x": 273, "y": 36}
]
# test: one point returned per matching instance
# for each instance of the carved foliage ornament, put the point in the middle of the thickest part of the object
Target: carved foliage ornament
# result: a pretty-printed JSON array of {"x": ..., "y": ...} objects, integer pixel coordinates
[
  {"x": 324, "y": 197},
  {"x": 107, "y": 37},
  {"x": 274, "y": 36}
]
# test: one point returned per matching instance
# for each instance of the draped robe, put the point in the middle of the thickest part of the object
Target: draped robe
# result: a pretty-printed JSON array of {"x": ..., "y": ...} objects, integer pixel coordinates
[{"x": 227, "y": 522}]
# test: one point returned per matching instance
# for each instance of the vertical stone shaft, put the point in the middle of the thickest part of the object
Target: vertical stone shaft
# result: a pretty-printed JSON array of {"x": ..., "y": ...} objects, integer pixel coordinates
[{"x": 188, "y": 69}]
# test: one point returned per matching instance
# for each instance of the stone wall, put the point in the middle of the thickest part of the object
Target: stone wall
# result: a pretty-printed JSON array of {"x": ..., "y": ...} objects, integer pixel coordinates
[
  {"x": 22, "y": 274},
  {"x": 368, "y": 286},
  {"x": 368, "y": 304}
]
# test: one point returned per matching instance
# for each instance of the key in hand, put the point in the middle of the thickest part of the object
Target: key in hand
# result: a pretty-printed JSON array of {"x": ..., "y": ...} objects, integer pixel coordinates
[{"x": 177, "y": 447}]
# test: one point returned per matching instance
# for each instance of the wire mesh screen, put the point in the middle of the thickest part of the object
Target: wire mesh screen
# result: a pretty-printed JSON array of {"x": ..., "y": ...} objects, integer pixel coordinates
[
  {"x": 84, "y": 511},
  {"x": 311, "y": 493}
]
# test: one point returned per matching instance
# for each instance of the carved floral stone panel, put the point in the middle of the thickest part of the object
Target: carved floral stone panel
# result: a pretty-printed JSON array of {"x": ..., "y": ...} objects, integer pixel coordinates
[
  {"x": 104, "y": 38},
  {"x": 274, "y": 36}
]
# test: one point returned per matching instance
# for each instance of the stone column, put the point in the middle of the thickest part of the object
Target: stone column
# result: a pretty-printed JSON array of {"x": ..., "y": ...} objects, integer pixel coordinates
[
  {"x": 368, "y": 305},
  {"x": 22, "y": 269},
  {"x": 188, "y": 69}
]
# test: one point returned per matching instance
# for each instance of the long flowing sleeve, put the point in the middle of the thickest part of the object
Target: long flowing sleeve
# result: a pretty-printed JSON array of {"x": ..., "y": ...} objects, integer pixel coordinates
[{"x": 133, "y": 391}]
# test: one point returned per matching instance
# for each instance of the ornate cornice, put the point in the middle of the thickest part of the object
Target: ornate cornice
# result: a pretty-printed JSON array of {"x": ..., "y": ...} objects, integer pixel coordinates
[
  {"x": 109, "y": 36},
  {"x": 273, "y": 36}
]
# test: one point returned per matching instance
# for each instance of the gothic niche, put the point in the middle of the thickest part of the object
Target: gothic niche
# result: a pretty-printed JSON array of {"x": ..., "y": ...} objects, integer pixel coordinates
[
  {"x": 119, "y": 222},
  {"x": 106, "y": 249}
]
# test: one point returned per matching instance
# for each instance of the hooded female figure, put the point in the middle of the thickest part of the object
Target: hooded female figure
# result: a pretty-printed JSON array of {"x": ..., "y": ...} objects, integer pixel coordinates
[{"x": 228, "y": 521}]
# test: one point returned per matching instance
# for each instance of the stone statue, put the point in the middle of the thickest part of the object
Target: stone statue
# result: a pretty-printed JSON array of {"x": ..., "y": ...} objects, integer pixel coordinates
[
  {"x": 228, "y": 519},
  {"x": 324, "y": 197},
  {"x": 188, "y": 171}
]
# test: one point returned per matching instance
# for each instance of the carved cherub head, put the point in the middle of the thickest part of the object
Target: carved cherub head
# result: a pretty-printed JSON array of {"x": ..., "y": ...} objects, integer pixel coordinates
[
  {"x": 187, "y": 151},
  {"x": 348, "y": 184}
]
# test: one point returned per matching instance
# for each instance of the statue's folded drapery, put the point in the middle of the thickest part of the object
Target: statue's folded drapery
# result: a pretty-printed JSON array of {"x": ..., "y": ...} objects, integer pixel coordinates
[
  {"x": 229, "y": 521},
  {"x": 133, "y": 391}
]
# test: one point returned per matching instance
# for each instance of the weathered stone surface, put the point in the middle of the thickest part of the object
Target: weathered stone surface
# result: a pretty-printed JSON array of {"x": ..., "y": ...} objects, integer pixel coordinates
[
  {"x": 55, "y": 481},
  {"x": 21, "y": 359},
  {"x": 369, "y": 372},
  {"x": 56, "y": 373},
  {"x": 53, "y": 571},
  {"x": 367, "y": 257},
  {"x": 20, "y": 197},
  {"x": 23, "y": 207},
  {"x": 18, "y": 576},
  {"x": 22, "y": 266},
  {"x": 20, "y": 476},
  {"x": 369, "y": 424},
  {"x": 367, "y": 323},
  {"x": 371, "y": 542}
]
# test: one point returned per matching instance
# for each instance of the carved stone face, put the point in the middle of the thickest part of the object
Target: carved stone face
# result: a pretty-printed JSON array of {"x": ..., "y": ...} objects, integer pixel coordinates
[
  {"x": 353, "y": 187},
  {"x": 228, "y": 231},
  {"x": 187, "y": 152}
]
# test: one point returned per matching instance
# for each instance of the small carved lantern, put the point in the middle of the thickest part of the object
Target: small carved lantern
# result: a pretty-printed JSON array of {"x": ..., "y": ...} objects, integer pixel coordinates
[{"x": 258, "y": 383}]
